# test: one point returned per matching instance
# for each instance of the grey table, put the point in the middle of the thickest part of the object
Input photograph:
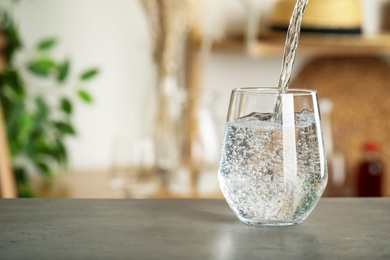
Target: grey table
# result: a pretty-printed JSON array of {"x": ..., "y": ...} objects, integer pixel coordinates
[{"x": 187, "y": 229}]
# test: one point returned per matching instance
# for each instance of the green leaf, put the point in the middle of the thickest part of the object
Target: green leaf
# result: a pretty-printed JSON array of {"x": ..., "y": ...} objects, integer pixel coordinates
[
  {"x": 45, "y": 169},
  {"x": 20, "y": 174},
  {"x": 66, "y": 106},
  {"x": 25, "y": 127},
  {"x": 13, "y": 39},
  {"x": 25, "y": 190},
  {"x": 13, "y": 129},
  {"x": 89, "y": 74},
  {"x": 40, "y": 149},
  {"x": 63, "y": 71},
  {"x": 61, "y": 152},
  {"x": 11, "y": 78},
  {"x": 41, "y": 67},
  {"x": 22, "y": 181},
  {"x": 42, "y": 107},
  {"x": 85, "y": 96},
  {"x": 46, "y": 44},
  {"x": 9, "y": 97},
  {"x": 65, "y": 128}
]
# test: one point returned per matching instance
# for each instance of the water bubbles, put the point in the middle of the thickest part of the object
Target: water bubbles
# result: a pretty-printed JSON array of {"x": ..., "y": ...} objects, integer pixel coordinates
[{"x": 253, "y": 168}]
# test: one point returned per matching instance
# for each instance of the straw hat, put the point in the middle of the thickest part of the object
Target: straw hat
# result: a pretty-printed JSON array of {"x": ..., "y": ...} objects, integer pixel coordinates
[{"x": 333, "y": 16}]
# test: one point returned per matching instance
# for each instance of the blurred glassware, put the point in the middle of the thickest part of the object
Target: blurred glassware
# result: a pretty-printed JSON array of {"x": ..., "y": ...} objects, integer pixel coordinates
[
  {"x": 233, "y": 17},
  {"x": 372, "y": 16},
  {"x": 133, "y": 172},
  {"x": 206, "y": 154},
  {"x": 170, "y": 133},
  {"x": 252, "y": 25},
  {"x": 336, "y": 165},
  {"x": 183, "y": 177}
]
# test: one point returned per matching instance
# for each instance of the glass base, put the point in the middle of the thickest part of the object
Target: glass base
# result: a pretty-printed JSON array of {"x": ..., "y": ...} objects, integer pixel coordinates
[{"x": 269, "y": 223}]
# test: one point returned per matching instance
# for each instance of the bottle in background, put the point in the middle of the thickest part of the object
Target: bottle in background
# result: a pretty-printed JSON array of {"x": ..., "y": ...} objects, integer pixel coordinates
[{"x": 370, "y": 172}]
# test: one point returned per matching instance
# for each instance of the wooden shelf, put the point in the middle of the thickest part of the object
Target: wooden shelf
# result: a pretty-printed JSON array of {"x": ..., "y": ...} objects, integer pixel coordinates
[
  {"x": 273, "y": 44},
  {"x": 95, "y": 184}
]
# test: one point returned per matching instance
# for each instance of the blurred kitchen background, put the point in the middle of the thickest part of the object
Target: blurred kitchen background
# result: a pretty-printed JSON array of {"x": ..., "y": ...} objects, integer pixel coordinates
[{"x": 128, "y": 98}]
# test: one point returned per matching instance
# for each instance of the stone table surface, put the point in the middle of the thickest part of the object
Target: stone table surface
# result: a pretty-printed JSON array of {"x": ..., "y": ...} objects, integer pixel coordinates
[{"x": 187, "y": 229}]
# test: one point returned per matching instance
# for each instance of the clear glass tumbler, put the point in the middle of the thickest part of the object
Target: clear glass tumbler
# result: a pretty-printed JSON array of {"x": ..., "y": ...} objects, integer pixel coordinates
[{"x": 273, "y": 169}]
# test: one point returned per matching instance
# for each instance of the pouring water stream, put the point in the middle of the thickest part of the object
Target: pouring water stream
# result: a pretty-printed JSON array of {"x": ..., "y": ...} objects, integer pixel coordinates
[{"x": 290, "y": 51}]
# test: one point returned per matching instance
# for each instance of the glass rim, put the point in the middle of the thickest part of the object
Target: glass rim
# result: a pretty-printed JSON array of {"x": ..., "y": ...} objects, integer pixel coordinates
[{"x": 273, "y": 91}]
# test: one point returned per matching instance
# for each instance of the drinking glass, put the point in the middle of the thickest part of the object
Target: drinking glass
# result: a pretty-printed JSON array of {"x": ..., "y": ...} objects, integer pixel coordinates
[
  {"x": 133, "y": 172},
  {"x": 273, "y": 169}
]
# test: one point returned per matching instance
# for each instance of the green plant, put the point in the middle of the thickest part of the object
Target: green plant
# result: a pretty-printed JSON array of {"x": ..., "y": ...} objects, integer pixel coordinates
[{"x": 37, "y": 124}]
